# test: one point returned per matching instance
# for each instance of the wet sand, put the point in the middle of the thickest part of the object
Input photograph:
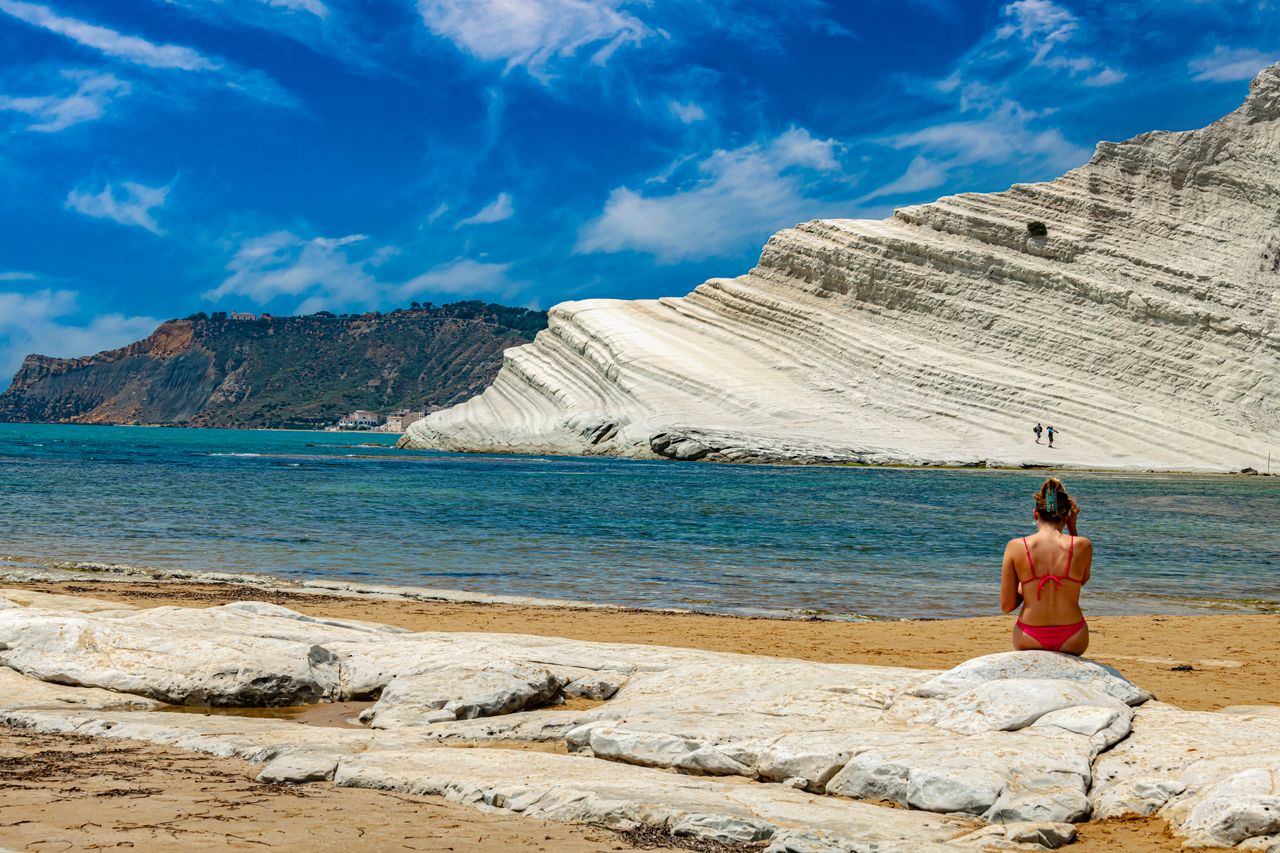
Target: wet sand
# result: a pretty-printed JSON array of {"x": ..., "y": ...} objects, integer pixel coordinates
[{"x": 61, "y": 793}]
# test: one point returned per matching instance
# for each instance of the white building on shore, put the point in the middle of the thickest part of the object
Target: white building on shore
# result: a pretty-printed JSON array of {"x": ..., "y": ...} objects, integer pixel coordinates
[{"x": 360, "y": 419}]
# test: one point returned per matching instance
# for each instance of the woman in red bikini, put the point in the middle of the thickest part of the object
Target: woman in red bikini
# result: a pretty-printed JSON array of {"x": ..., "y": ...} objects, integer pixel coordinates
[{"x": 1044, "y": 573}]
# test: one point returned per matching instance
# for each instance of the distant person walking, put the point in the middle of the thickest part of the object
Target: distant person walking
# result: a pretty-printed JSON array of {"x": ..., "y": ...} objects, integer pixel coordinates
[
  {"x": 1049, "y": 431},
  {"x": 1037, "y": 429}
]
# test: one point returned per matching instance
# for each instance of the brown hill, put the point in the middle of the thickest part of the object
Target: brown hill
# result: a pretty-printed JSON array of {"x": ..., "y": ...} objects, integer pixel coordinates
[{"x": 276, "y": 371}]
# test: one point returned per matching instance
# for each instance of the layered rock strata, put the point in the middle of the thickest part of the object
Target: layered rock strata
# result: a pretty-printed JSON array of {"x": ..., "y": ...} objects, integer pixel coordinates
[
  {"x": 1002, "y": 752},
  {"x": 1144, "y": 325}
]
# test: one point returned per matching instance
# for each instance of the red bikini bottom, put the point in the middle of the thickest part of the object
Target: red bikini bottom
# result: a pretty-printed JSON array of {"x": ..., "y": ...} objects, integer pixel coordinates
[{"x": 1051, "y": 637}]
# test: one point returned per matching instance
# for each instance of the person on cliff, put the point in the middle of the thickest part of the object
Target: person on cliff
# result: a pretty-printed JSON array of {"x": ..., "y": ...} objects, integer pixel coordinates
[
  {"x": 1049, "y": 430},
  {"x": 1037, "y": 429},
  {"x": 1044, "y": 574}
]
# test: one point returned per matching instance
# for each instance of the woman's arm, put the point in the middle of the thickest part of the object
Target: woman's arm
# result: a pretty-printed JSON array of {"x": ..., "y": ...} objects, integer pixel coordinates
[{"x": 1010, "y": 587}]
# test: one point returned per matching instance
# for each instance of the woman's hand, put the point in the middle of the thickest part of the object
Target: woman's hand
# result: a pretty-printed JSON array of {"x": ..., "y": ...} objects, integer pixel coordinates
[{"x": 1072, "y": 516}]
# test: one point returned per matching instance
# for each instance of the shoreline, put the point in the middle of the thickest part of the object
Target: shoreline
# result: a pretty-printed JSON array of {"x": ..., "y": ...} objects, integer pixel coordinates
[
  {"x": 976, "y": 465},
  {"x": 55, "y": 571}
]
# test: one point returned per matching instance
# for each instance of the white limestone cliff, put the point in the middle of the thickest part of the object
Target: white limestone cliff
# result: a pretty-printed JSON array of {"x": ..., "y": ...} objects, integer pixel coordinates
[{"x": 1145, "y": 326}]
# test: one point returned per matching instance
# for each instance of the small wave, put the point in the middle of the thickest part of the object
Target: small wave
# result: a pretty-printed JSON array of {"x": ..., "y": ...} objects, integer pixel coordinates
[{"x": 243, "y": 455}]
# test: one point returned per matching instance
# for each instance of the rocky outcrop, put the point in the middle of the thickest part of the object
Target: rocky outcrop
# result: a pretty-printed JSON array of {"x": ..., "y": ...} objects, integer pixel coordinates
[
  {"x": 275, "y": 371},
  {"x": 1144, "y": 324},
  {"x": 1027, "y": 742}
]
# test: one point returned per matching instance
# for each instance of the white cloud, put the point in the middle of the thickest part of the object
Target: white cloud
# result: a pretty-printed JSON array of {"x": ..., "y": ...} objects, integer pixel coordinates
[
  {"x": 1002, "y": 136},
  {"x": 495, "y": 211},
  {"x": 39, "y": 322},
  {"x": 533, "y": 33},
  {"x": 326, "y": 273},
  {"x": 140, "y": 51},
  {"x": 687, "y": 112},
  {"x": 51, "y": 113},
  {"x": 1106, "y": 77},
  {"x": 922, "y": 174},
  {"x": 440, "y": 210},
  {"x": 132, "y": 206},
  {"x": 1046, "y": 29},
  {"x": 17, "y": 275},
  {"x": 737, "y": 198},
  {"x": 1225, "y": 65},
  {"x": 129, "y": 48},
  {"x": 314, "y": 7},
  {"x": 1042, "y": 24},
  {"x": 462, "y": 276}
]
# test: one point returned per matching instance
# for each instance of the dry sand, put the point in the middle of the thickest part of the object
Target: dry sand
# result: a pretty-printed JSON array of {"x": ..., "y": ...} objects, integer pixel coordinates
[{"x": 68, "y": 793}]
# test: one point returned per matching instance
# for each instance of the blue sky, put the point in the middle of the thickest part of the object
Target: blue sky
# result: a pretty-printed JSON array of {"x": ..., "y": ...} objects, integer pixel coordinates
[{"x": 162, "y": 157}]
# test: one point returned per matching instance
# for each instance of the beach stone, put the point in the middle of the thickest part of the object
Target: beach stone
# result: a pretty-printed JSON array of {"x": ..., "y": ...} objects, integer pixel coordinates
[
  {"x": 1043, "y": 835},
  {"x": 179, "y": 667},
  {"x": 1015, "y": 703},
  {"x": 1033, "y": 664},
  {"x": 599, "y": 685},
  {"x": 20, "y": 691},
  {"x": 1214, "y": 777},
  {"x": 462, "y": 692},
  {"x": 575, "y": 788},
  {"x": 1012, "y": 737},
  {"x": 661, "y": 750},
  {"x": 298, "y": 767}
]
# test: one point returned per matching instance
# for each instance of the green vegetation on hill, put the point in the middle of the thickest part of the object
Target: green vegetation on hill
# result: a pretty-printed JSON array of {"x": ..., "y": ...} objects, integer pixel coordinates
[{"x": 210, "y": 370}]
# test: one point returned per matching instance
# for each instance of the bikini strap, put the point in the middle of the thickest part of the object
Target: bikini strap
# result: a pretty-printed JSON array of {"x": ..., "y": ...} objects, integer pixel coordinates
[
  {"x": 1071, "y": 549},
  {"x": 1030, "y": 565}
]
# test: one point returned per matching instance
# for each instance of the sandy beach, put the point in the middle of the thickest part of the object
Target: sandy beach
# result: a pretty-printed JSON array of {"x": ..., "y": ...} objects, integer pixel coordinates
[{"x": 81, "y": 793}]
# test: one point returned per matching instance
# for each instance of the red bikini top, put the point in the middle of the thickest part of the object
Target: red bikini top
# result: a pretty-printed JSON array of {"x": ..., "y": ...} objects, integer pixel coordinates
[{"x": 1057, "y": 579}]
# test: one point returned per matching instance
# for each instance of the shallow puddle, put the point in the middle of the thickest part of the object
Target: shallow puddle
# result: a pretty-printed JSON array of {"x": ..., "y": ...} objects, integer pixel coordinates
[{"x": 333, "y": 715}]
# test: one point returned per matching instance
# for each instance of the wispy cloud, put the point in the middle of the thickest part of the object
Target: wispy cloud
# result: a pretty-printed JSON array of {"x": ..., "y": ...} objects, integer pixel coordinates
[
  {"x": 737, "y": 198},
  {"x": 18, "y": 275},
  {"x": 139, "y": 51},
  {"x": 1047, "y": 29},
  {"x": 460, "y": 277},
  {"x": 533, "y": 34},
  {"x": 1006, "y": 134},
  {"x": 326, "y": 273},
  {"x": 88, "y": 101},
  {"x": 687, "y": 111},
  {"x": 130, "y": 204},
  {"x": 132, "y": 49},
  {"x": 1226, "y": 65},
  {"x": 495, "y": 211},
  {"x": 43, "y": 322}
]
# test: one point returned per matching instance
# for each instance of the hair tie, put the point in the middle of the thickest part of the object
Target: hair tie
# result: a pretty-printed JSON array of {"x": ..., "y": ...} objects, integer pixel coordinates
[{"x": 1051, "y": 501}]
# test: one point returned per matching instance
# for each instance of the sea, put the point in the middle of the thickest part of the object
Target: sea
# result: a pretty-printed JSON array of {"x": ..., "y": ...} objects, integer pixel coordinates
[{"x": 826, "y": 542}]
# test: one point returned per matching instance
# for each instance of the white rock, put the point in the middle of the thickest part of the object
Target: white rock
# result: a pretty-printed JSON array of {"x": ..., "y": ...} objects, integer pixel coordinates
[
  {"x": 462, "y": 692},
  {"x": 19, "y": 691},
  {"x": 1015, "y": 703},
  {"x": 162, "y": 662},
  {"x": 1022, "y": 665},
  {"x": 597, "y": 685},
  {"x": 917, "y": 338},
  {"x": 297, "y": 766},
  {"x": 1215, "y": 777}
]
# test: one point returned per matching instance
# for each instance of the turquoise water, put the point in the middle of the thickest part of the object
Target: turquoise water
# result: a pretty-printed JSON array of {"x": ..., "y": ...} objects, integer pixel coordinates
[{"x": 840, "y": 541}]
